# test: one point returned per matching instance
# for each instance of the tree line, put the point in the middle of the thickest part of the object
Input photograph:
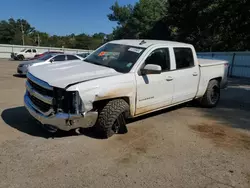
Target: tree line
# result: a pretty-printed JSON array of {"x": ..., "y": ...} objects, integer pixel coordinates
[
  {"x": 210, "y": 25},
  {"x": 21, "y": 32}
]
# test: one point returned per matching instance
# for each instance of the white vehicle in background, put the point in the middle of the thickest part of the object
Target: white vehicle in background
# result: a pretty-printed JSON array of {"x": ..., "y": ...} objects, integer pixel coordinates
[
  {"x": 121, "y": 79},
  {"x": 24, "y": 54},
  {"x": 22, "y": 68}
]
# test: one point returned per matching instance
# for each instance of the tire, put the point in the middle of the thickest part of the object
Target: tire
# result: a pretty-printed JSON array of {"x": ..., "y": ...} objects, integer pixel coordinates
[
  {"x": 20, "y": 57},
  {"x": 212, "y": 96},
  {"x": 111, "y": 119}
]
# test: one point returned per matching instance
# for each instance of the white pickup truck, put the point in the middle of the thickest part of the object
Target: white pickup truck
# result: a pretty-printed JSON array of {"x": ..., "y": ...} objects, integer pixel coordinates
[
  {"x": 121, "y": 79},
  {"x": 24, "y": 54}
]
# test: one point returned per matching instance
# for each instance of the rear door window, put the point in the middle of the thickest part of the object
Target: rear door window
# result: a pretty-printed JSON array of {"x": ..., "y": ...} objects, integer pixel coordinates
[
  {"x": 72, "y": 57},
  {"x": 59, "y": 58},
  {"x": 184, "y": 58}
]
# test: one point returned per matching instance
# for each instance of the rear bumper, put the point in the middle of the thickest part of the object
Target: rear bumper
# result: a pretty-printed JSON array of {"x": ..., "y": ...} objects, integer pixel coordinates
[{"x": 62, "y": 121}]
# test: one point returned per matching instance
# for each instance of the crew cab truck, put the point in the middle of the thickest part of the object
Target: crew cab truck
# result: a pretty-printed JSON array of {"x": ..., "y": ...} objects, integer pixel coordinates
[
  {"x": 121, "y": 79},
  {"x": 24, "y": 54}
]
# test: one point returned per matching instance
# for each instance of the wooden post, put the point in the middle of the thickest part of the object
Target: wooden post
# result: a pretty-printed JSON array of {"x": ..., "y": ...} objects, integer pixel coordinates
[{"x": 232, "y": 65}]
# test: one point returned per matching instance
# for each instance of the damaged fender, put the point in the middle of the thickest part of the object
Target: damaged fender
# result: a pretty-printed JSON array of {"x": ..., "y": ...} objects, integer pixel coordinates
[{"x": 104, "y": 89}]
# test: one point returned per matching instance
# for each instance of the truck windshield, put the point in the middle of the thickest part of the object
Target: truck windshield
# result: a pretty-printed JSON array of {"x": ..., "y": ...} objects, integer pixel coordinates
[
  {"x": 116, "y": 56},
  {"x": 23, "y": 50}
]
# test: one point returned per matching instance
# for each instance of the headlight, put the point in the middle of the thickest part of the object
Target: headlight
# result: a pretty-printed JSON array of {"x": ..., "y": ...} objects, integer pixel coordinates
[{"x": 77, "y": 104}]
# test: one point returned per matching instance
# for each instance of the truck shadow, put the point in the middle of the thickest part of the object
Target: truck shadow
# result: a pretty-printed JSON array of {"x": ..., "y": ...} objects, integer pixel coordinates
[
  {"x": 233, "y": 110},
  {"x": 20, "y": 119},
  {"x": 234, "y": 107},
  {"x": 19, "y": 76}
]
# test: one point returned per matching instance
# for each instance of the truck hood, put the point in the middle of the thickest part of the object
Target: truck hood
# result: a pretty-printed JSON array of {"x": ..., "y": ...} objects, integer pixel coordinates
[{"x": 62, "y": 74}]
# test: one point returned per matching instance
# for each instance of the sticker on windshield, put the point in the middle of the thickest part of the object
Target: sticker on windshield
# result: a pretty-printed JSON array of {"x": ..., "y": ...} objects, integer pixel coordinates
[
  {"x": 102, "y": 54},
  {"x": 136, "y": 50}
]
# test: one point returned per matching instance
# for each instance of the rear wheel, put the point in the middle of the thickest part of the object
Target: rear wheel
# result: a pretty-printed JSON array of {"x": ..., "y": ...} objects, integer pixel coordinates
[
  {"x": 212, "y": 95},
  {"x": 112, "y": 118}
]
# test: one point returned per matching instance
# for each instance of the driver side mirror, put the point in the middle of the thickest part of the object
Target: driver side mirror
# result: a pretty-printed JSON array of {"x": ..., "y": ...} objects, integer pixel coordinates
[
  {"x": 51, "y": 61},
  {"x": 151, "y": 69}
]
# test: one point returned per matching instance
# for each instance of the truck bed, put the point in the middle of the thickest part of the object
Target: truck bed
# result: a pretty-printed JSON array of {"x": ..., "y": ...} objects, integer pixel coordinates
[
  {"x": 210, "y": 69},
  {"x": 210, "y": 62}
]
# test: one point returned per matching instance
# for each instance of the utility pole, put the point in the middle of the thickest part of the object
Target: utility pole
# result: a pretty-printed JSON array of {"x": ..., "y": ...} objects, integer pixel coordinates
[
  {"x": 22, "y": 32},
  {"x": 38, "y": 39}
]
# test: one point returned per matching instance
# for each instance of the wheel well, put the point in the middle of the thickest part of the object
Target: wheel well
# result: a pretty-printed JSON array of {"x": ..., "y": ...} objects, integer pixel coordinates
[
  {"x": 218, "y": 79},
  {"x": 102, "y": 103},
  {"x": 20, "y": 56}
]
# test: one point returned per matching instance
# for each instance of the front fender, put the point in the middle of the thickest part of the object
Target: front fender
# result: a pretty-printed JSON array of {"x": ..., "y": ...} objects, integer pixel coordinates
[{"x": 105, "y": 89}]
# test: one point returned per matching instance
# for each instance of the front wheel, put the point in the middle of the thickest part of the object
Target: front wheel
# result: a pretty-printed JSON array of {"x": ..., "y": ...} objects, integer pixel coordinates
[
  {"x": 20, "y": 58},
  {"x": 111, "y": 118},
  {"x": 212, "y": 95}
]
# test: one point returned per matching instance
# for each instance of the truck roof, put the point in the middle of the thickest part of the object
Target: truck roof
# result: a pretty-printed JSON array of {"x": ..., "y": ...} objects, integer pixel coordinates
[{"x": 145, "y": 43}]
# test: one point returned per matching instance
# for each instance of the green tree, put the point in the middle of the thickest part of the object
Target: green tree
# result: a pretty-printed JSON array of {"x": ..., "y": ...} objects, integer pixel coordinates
[
  {"x": 210, "y": 25},
  {"x": 137, "y": 21},
  {"x": 11, "y": 33}
]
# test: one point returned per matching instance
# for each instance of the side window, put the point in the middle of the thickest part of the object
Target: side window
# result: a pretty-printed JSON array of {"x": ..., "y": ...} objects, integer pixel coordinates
[
  {"x": 59, "y": 58},
  {"x": 159, "y": 57},
  {"x": 34, "y": 50},
  {"x": 28, "y": 51},
  {"x": 72, "y": 57},
  {"x": 184, "y": 58}
]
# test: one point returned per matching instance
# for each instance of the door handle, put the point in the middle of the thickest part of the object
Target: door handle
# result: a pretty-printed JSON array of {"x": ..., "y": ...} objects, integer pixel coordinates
[
  {"x": 195, "y": 74},
  {"x": 169, "y": 78}
]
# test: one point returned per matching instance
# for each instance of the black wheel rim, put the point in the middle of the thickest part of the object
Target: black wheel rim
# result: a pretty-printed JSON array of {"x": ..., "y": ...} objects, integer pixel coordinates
[
  {"x": 215, "y": 94},
  {"x": 118, "y": 123}
]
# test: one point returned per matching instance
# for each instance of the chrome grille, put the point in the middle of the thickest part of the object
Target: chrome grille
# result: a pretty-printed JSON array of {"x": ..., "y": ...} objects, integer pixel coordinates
[
  {"x": 44, "y": 107},
  {"x": 40, "y": 94},
  {"x": 40, "y": 89}
]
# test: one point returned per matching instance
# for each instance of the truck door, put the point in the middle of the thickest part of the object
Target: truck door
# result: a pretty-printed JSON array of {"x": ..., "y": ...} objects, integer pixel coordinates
[
  {"x": 155, "y": 91},
  {"x": 34, "y": 52},
  {"x": 28, "y": 54},
  {"x": 186, "y": 75}
]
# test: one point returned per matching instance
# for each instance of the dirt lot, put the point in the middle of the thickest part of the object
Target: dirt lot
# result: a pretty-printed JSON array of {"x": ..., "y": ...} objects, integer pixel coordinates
[{"x": 182, "y": 147}]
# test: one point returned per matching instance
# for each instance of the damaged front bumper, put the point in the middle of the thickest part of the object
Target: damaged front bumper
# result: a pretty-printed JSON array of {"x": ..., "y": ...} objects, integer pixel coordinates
[{"x": 62, "y": 121}]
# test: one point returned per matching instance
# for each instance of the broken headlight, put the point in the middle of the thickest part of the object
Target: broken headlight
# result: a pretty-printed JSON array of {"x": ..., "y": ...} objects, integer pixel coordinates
[
  {"x": 68, "y": 102},
  {"x": 77, "y": 104}
]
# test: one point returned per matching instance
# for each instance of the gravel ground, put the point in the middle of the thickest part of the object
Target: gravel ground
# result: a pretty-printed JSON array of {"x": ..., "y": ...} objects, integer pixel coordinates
[{"x": 185, "y": 146}]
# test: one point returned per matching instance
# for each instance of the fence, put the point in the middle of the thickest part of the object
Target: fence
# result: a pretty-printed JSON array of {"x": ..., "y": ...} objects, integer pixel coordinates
[
  {"x": 239, "y": 62},
  {"x": 6, "y": 49}
]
